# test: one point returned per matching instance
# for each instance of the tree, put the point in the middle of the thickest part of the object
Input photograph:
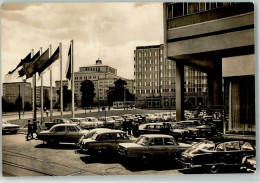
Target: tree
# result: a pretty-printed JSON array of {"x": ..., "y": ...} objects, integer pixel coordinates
[
  {"x": 88, "y": 93},
  {"x": 27, "y": 106},
  {"x": 118, "y": 92},
  {"x": 8, "y": 107},
  {"x": 18, "y": 103},
  {"x": 67, "y": 96}
]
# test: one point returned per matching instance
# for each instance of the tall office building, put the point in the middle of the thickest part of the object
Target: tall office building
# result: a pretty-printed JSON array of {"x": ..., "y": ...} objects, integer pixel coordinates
[
  {"x": 216, "y": 38},
  {"x": 11, "y": 92},
  {"x": 46, "y": 95},
  {"x": 155, "y": 80}
]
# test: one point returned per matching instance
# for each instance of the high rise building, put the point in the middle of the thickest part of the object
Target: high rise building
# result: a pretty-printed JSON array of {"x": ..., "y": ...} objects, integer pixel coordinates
[
  {"x": 155, "y": 80},
  {"x": 46, "y": 95},
  {"x": 216, "y": 38},
  {"x": 11, "y": 92}
]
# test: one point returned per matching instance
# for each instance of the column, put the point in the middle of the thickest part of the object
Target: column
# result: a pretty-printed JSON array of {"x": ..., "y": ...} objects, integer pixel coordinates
[{"x": 179, "y": 91}]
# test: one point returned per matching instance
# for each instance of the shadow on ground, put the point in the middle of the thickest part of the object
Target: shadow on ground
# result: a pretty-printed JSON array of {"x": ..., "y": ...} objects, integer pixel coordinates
[{"x": 57, "y": 146}]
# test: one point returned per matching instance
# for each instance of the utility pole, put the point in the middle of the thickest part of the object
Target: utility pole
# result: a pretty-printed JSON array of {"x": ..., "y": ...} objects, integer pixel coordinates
[{"x": 19, "y": 99}]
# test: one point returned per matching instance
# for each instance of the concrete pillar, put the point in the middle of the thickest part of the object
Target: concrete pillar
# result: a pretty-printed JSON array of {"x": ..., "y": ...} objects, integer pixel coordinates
[
  {"x": 215, "y": 94},
  {"x": 179, "y": 91}
]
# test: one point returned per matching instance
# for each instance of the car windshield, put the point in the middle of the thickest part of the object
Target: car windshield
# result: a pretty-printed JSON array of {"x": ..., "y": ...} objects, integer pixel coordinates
[
  {"x": 142, "y": 141},
  {"x": 78, "y": 128},
  {"x": 6, "y": 122},
  {"x": 94, "y": 137},
  {"x": 109, "y": 119},
  {"x": 201, "y": 148}
]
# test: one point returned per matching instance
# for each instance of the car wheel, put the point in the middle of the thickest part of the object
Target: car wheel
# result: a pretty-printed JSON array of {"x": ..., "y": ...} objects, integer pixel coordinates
[{"x": 214, "y": 169}]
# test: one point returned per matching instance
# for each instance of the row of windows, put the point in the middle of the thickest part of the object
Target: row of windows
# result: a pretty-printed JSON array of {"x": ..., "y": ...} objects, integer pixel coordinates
[
  {"x": 93, "y": 69},
  {"x": 181, "y": 9},
  {"x": 86, "y": 77}
]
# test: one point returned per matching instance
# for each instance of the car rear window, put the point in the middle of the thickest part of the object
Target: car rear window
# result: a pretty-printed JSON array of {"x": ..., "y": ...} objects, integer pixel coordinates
[
  {"x": 232, "y": 146},
  {"x": 156, "y": 142},
  {"x": 246, "y": 146},
  {"x": 169, "y": 141}
]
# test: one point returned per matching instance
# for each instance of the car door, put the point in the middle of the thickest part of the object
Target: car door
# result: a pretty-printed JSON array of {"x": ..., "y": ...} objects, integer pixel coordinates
[
  {"x": 233, "y": 153},
  {"x": 170, "y": 147},
  {"x": 218, "y": 156},
  {"x": 59, "y": 133},
  {"x": 156, "y": 147},
  {"x": 108, "y": 141},
  {"x": 72, "y": 134}
]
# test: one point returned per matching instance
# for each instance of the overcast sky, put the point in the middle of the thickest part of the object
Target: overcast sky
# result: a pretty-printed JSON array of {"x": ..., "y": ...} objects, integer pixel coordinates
[{"x": 109, "y": 31}]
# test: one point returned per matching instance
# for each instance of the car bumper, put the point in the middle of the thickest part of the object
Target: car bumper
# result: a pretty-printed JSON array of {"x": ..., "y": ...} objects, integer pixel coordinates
[
  {"x": 188, "y": 165},
  {"x": 10, "y": 130}
]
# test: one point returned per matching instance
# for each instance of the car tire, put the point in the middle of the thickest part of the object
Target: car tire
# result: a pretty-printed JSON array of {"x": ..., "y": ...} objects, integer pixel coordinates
[{"x": 214, "y": 169}]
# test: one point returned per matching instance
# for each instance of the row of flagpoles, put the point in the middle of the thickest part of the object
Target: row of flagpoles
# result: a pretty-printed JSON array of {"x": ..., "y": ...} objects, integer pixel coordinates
[{"x": 40, "y": 63}]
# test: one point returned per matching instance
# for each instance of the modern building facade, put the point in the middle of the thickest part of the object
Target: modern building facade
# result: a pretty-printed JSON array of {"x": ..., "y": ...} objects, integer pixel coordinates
[
  {"x": 207, "y": 36},
  {"x": 11, "y": 92},
  {"x": 102, "y": 76},
  {"x": 155, "y": 80}
]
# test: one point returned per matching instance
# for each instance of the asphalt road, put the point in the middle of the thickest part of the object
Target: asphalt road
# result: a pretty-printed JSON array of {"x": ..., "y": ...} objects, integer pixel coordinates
[{"x": 33, "y": 158}]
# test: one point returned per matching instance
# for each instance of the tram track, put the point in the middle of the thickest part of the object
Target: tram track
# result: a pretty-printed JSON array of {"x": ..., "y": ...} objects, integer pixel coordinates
[{"x": 20, "y": 155}]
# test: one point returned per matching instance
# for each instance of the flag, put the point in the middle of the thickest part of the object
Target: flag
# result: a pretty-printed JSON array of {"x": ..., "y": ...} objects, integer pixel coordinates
[
  {"x": 25, "y": 65},
  {"x": 46, "y": 63},
  {"x": 23, "y": 61},
  {"x": 13, "y": 74},
  {"x": 68, "y": 69},
  {"x": 31, "y": 68}
]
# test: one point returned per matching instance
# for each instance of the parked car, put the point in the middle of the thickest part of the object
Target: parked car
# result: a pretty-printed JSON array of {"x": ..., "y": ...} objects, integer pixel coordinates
[
  {"x": 107, "y": 121},
  {"x": 118, "y": 121},
  {"x": 8, "y": 127},
  {"x": 77, "y": 120},
  {"x": 139, "y": 118},
  {"x": 48, "y": 125},
  {"x": 62, "y": 133},
  {"x": 249, "y": 164},
  {"x": 151, "y": 118},
  {"x": 89, "y": 134},
  {"x": 213, "y": 157},
  {"x": 91, "y": 122},
  {"x": 151, "y": 146},
  {"x": 104, "y": 141},
  {"x": 128, "y": 117},
  {"x": 158, "y": 128}
]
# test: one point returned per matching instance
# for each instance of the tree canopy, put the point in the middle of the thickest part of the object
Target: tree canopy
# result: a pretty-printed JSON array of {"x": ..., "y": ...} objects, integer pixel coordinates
[
  {"x": 87, "y": 90},
  {"x": 118, "y": 92}
]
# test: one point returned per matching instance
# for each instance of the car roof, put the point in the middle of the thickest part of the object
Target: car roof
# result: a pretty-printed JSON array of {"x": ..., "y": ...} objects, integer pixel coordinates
[
  {"x": 77, "y": 118},
  {"x": 91, "y": 117},
  {"x": 66, "y": 124},
  {"x": 156, "y": 135},
  {"x": 110, "y": 131}
]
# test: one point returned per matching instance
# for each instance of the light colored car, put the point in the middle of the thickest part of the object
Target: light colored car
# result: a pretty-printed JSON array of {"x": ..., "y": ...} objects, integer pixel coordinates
[
  {"x": 151, "y": 118},
  {"x": 77, "y": 120},
  {"x": 104, "y": 141},
  {"x": 118, "y": 121},
  {"x": 62, "y": 133},
  {"x": 91, "y": 122},
  {"x": 108, "y": 121},
  {"x": 152, "y": 146},
  {"x": 7, "y": 127}
]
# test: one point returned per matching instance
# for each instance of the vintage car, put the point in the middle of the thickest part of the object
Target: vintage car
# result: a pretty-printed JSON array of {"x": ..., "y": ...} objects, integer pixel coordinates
[
  {"x": 139, "y": 118},
  {"x": 156, "y": 128},
  {"x": 151, "y": 146},
  {"x": 118, "y": 121},
  {"x": 61, "y": 133},
  {"x": 213, "y": 157},
  {"x": 48, "y": 125},
  {"x": 103, "y": 141},
  {"x": 128, "y": 117},
  {"x": 249, "y": 164},
  {"x": 108, "y": 121},
  {"x": 91, "y": 122},
  {"x": 77, "y": 120},
  {"x": 151, "y": 118},
  {"x": 7, "y": 127}
]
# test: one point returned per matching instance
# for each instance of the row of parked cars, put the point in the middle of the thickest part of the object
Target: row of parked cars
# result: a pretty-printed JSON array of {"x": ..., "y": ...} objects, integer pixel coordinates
[{"x": 206, "y": 155}]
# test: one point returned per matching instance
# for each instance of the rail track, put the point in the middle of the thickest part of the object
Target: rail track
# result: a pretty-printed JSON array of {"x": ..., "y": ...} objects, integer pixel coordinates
[{"x": 77, "y": 170}]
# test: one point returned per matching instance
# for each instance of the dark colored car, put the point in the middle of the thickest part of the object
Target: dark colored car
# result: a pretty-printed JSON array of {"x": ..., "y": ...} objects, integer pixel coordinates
[
  {"x": 48, "y": 125},
  {"x": 213, "y": 157},
  {"x": 159, "y": 128},
  {"x": 62, "y": 133}
]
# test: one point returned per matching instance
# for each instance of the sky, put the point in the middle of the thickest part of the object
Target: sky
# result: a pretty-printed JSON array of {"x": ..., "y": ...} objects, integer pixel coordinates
[{"x": 108, "y": 31}]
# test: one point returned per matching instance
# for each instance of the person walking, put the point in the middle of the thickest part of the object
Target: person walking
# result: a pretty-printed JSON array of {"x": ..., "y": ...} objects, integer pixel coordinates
[
  {"x": 129, "y": 128},
  {"x": 30, "y": 130}
]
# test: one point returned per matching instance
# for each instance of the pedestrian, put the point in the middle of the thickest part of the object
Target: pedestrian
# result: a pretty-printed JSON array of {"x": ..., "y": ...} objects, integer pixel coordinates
[
  {"x": 129, "y": 128},
  {"x": 30, "y": 130},
  {"x": 34, "y": 127},
  {"x": 135, "y": 129},
  {"x": 124, "y": 125},
  {"x": 167, "y": 129},
  {"x": 162, "y": 129}
]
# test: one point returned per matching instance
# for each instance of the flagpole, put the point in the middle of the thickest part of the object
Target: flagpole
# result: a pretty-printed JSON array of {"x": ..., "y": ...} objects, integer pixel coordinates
[
  {"x": 34, "y": 93},
  {"x": 51, "y": 108},
  {"x": 41, "y": 92},
  {"x": 72, "y": 78},
  {"x": 61, "y": 91}
]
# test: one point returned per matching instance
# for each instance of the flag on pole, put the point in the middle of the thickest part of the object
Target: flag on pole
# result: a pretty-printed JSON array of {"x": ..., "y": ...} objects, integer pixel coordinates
[
  {"x": 23, "y": 61},
  {"x": 13, "y": 73},
  {"x": 68, "y": 68},
  {"x": 25, "y": 65},
  {"x": 31, "y": 68},
  {"x": 47, "y": 63}
]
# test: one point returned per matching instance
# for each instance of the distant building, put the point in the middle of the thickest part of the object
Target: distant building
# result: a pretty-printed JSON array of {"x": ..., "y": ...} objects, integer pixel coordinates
[
  {"x": 155, "y": 80},
  {"x": 46, "y": 94},
  {"x": 102, "y": 76},
  {"x": 11, "y": 92}
]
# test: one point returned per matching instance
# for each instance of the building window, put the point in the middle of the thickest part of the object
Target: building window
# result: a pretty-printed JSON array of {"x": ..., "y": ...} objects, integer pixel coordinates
[
  {"x": 177, "y": 9},
  {"x": 193, "y": 8}
]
